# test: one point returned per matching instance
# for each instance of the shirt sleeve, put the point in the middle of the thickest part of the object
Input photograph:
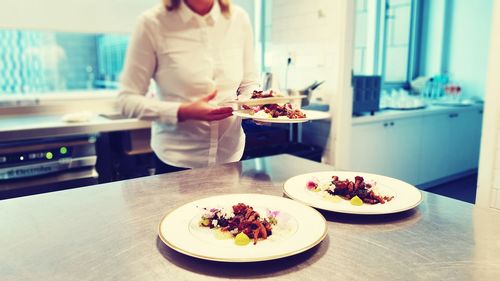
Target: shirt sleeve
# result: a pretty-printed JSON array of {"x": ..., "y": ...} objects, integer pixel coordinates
[
  {"x": 250, "y": 74},
  {"x": 140, "y": 65}
]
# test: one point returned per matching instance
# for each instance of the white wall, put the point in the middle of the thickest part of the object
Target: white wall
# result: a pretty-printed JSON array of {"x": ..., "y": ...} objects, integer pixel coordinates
[
  {"x": 469, "y": 44},
  {"x": 488, "y": 190},
  {"x": 318, "y": 36},
  {"x": 302, "y": 29},
  {"x": 77, "y": 16}
]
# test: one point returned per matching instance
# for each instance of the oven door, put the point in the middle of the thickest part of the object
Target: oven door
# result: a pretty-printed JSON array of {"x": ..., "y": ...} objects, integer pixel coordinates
[{"x": 46, "y": 183}]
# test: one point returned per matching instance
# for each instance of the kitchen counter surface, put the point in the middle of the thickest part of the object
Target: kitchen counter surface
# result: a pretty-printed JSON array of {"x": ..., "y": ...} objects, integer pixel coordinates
[
  {"x": 390, "y": 114},
  {"x": 40, "y": 126},
  {"x": 14, "y": 128},
  {"x": 109, "y": 232}
]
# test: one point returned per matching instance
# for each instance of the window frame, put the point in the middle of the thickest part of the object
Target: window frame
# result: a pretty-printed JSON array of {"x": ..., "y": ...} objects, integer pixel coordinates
[
  {"x": 412, "y": 67},
  {"x": 414, "y": 43}
]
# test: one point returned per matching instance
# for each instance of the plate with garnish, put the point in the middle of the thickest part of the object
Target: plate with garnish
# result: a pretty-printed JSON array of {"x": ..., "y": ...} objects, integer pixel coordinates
[
  {"x": 353, "y": 192},
  {"x": 266, "y": 97},
  {"x": 275, "y": 113},
  {"x": 242, "y": 228}
]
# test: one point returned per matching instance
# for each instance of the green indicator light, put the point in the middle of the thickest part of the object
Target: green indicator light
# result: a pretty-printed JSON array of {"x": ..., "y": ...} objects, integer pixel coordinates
[
  {"x": 63, "y": 150},
  {"x": 49, "y": 155}
]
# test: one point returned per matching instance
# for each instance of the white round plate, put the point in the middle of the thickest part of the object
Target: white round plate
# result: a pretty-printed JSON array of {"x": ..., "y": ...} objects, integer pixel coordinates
[
  {"x": 261, "y": 101},
  {"x": 311, "y": 115},
  {"x": 299, "y": 228},
  {"x": 406, "y": 196}
]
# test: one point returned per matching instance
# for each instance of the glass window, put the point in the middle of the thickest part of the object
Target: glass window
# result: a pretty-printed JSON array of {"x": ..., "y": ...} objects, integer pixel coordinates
[
  {"x": 360, "y": 42},
  {"x": 384, "y": 38},
  {"x": 397, "y": 40}
]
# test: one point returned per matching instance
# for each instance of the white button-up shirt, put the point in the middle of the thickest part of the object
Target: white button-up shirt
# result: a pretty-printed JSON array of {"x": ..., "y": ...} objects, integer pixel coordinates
[{"x": 189, "y": 56}]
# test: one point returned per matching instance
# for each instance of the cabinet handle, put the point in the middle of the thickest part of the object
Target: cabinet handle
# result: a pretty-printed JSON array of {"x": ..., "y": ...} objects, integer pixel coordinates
[
  {"x": 392, "y": 123},
  {"x": 385, "y": 124},
  {"x": 481, "y": 111},
  {"x": 453, "y": 115}
]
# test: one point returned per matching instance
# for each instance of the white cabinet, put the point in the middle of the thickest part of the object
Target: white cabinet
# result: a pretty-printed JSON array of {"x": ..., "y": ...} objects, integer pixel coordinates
[
  {"x": 465, "y": 141},
  {"x": 419, "y": 149},
  {"x": 389, "y": 148},
  {"x": 450, "y": 144},
  {"x": 435, "y": 152}
]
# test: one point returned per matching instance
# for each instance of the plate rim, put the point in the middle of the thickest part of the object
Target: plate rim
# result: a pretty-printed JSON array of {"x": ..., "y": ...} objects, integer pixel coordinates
[
  {"x": 261, "y": 101},
  {"x": 240, "y": 260},
  {"x": 273, "y": 120},
  {"x": 357, "y": 213}
]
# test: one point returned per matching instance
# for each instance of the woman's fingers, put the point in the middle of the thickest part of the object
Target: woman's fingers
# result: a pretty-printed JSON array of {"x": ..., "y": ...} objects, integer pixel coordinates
[
  {"x": 219, "y": 113},
  {"x": 222, "y": 110}
]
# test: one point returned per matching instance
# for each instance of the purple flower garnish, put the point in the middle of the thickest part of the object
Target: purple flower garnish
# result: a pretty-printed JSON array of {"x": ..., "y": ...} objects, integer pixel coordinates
[{"x": 272, "y": 214}]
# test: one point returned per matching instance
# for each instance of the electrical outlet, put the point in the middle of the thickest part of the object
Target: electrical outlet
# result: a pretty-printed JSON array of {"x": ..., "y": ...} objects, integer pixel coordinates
[{"x": 292, "y": 58}]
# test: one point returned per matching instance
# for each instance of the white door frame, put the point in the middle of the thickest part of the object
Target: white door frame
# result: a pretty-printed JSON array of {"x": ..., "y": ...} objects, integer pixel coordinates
[
  {"x": 341, "y": 104},
  {"x": 490, "y": 145}
]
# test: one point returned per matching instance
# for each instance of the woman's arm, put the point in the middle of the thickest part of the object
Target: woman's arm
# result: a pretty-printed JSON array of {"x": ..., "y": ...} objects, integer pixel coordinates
[
  {"x": 140, "y": 65},
  {"x": 250, "y": 74}
]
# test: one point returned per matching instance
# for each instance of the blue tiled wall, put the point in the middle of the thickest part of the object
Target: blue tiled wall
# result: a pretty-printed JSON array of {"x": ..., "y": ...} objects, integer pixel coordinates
[{"x": 42, "y": 62}]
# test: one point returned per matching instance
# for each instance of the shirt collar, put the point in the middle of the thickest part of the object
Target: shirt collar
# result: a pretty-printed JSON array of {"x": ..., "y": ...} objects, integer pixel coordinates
[{"x": 187, "y": 14}]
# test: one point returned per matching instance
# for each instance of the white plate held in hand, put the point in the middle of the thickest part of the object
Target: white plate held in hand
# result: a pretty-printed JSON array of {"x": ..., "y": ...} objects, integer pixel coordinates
[
  {"x": 310, "y": 115},
  {"x": 262, "y": 101}
]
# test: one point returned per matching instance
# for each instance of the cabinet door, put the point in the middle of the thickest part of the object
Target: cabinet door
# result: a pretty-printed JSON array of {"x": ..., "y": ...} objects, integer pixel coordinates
[
  {"x": 435, "y": 152},
  {"x": 368, "y": 148},
  {"x": 450, "y": 144},
  {"x": 388, "y": 148},
  {"x": 403, "y": 149},
  {"x": 476, "y": 131},
  {"x": 465, "y": 136}
]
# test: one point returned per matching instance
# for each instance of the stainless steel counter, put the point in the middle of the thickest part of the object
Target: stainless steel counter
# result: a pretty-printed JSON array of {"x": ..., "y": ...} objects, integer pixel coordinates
[
  {"x": 42, "y": 126},
  {"x": 391, "y": 114},
  {"x": 109, "y": 232}
]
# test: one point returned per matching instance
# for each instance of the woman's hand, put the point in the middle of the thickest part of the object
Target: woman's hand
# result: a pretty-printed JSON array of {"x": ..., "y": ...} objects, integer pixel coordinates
[{"x": 202, "y": 110}]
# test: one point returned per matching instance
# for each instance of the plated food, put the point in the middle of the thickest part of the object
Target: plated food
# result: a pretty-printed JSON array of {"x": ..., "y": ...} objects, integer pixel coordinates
[
  {"x": 242, "y": 222},
  {"x": 269, "y": 111},
  {"x": 211, "y": 228},
  {"x": 357, "y": 191},
  {"x": 353, "y": 192},
  {"x": 264, "y": 94}
]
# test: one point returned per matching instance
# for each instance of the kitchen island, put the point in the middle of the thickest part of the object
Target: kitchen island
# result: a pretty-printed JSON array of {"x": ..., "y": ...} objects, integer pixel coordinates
[{"x": 109, "y": 232}]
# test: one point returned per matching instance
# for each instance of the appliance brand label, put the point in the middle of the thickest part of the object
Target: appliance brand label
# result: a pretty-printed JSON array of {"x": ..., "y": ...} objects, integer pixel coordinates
[{"x": 29, "y": 171}]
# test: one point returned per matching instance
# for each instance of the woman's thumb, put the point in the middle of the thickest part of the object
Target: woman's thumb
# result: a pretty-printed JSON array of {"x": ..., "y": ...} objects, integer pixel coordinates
[{"x": 209, "y": 97}]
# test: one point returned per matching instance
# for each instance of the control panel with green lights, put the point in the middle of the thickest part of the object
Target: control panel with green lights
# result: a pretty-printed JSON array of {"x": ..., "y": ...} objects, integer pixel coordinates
[
  {"x": 36, "y": 156},
  {"x": 43, "y": 156}
]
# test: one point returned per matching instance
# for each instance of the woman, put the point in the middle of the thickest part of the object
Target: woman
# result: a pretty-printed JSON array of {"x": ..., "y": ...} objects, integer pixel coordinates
[{"x": 200, "y": 54}]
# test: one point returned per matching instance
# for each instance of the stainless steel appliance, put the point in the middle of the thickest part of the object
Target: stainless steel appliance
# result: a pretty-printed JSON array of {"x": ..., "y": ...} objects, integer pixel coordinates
[{"x": 49, "y": 164}]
